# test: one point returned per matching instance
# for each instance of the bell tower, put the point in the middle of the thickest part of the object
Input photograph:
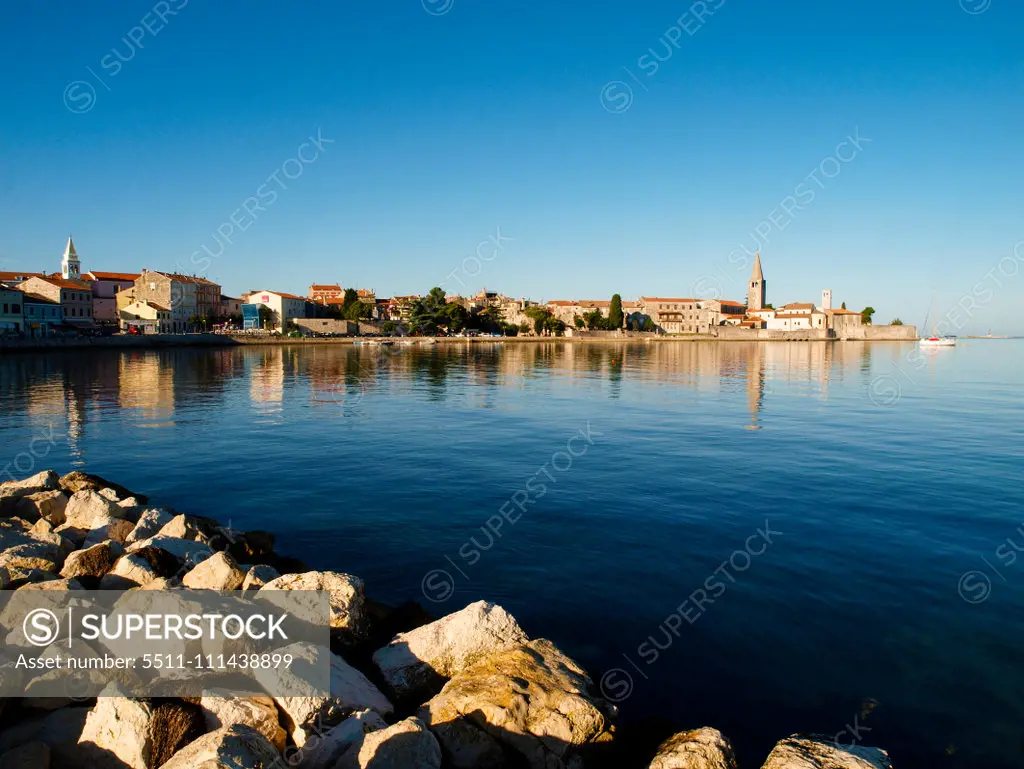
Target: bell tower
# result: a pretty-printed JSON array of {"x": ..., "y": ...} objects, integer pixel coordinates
[
  {"x": 756, "y": 290},
  {"x": 70, "y": 267}
]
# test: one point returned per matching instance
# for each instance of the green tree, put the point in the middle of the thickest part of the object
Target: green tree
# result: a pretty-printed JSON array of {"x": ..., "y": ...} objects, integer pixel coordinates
[
  {"x": 539, "y": 316},
  {"x": 865, "y": 315},
  {"x": 615, "y": 317},
  {"x": 579, "y": 322},
  {"x": 492, "y": 317},
  {"x": 429, "y": 312},
  {"x": 456, "y": 317},
  {"x": 389, "y": 327},
  {"x": 595, "y": 320},
  {"x": 843, "y": 306},
  {"x": 896, "y": 322},
  {"x": 649, "y": 324},
  {"x": 268, "y": 318},
  {"x": 524, "y": 328}
]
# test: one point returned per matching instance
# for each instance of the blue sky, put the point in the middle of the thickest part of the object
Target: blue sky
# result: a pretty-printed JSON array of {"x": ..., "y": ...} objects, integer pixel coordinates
[{"x": 446, "y": 122}]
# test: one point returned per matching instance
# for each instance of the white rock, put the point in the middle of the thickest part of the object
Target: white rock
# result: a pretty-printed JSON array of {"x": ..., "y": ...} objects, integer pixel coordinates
[
  {"x": 117, "y": 729},
  {"x": 406, "y": 745},
  {"x": 180, "y": 527},
  {"x": 116, "y": 530},
  {"x": 303, "y": 716},
  {"x": 234, "y": 747},
  {"x": 346, "y": 596},
  {"x": 47, "y": 480},
  {"x": 191, "y": 552},
  {"x": 22, "y": 549},
  {"x": 149, "y": 525},
  {"x": 129, "y": 571},
  {"x": 87, "y": 510},
  {"x": 532, "y": 698},
  {"x": 218, "y": 572},
  {"x": 258, "y": 576},
  {"x": 109, "y": 494},
  {"x": 700, "y": 749},
  {"x": 419, "y": 660},
  {"x": 813, "y": 752},
  {"x": 221, "y": 709}
]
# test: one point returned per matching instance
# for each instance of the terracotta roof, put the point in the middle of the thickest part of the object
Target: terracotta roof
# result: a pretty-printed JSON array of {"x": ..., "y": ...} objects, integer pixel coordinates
[
  {"x": 794, "y": 315},
  {"x": 325, "y": 287},
  {"x": 335, "y": 300},
  {"x": 666, "y": 299},
  {"x": 733, "y": 307},
  {"x": 844, "y": 312},
  {"x": 132, "y": 276},
  {"x": 798, "y": 306},
  {"x": 19, "y": 276},
  {"x": 54, "y": 280}
]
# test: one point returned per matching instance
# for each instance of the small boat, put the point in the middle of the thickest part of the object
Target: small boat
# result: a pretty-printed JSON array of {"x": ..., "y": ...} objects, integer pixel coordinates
[{"x": 938, "y": 341}]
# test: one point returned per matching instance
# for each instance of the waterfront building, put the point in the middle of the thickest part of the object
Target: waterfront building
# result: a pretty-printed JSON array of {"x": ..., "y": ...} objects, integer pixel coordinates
[
  {"x": 149, "y": 317},
  {"x": 12, "y": 310},
  {"x": 74, "y": 297},
  {"x": 285, "y": 307},
  {"x": 797, "y": 316},
  {"x": 321, "y": 292},
  {"x": 567, "y": 310},
  {"x": 187, "y": 296},
  {"x": 229, "y": 306},
  {"x": 105, "y": 287},
  {"x": 757, "y": 291},
  {"x": 43, "y": 316}
]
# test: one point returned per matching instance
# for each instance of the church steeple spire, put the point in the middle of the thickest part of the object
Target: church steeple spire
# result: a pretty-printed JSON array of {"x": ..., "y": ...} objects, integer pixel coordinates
[
  {"x": 756, "y": 291},
  {"x": 70, "y": 267}
]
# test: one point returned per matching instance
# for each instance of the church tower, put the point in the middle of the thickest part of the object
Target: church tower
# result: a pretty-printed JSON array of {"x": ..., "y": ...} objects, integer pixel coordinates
[
  {"x": 70, "y": 267},
  {"x": 756, "y": 291}
]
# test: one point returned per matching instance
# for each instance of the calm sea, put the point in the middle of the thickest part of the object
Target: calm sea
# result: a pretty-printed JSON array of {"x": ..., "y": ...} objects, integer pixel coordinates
[{"x": 764, "y": 538}]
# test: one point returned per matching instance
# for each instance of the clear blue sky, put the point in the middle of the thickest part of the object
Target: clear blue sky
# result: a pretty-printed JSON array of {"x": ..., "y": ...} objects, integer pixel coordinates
[{"x": 490, "y": 115}]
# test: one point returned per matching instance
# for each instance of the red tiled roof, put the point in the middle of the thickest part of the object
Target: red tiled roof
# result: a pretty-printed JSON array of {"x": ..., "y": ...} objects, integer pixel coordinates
[
  {"x": 132, "y": 276},
  {"x": 666, "y": 299},
  {"x": 19, "y": 276},
  {"x": 844, "y": 312},
  {"x": 798, "y": 306},
  {"x": 325, "y": 287},
  {"x": 54, "y": 280}
]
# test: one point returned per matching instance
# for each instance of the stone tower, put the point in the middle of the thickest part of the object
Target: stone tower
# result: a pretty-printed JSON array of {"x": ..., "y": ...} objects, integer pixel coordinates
[
  {"x": 70, "y": 267},
  {"x": 826, "y": 299},
  {"x": 756, "y": 293}
]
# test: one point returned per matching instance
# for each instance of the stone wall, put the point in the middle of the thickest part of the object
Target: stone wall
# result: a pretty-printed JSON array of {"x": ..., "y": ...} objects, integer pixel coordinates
[{"x": 859, "y": 333}]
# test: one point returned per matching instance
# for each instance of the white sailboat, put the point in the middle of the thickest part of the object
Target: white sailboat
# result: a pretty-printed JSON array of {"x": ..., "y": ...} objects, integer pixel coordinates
[{"x": 935, "y": 340}]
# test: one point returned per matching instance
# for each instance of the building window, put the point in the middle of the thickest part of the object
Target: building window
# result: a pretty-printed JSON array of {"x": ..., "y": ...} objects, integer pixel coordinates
[{"x": 15, "y": 308}]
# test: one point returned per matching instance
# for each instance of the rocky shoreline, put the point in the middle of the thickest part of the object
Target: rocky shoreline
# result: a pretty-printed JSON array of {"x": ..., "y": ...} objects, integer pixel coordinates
[{"x": 408, "y": 691}]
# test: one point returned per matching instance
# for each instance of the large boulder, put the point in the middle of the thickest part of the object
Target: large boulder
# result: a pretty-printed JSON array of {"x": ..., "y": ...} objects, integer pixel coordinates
[
  {"x": 11, "y": 492},
  {"x": 531, "y": 699},
  {"x": 91, "y": 562},
  {"x": 46, "y": 505},
  {"x": 188, "y": 552},
  {"x": 417, "y": 662},
  {"x": 303, "y": 716},
  {"x": 816, "y": 752},
  {"x": 79, "y": 481},
  {"x": 346, "y": 597},
  {"x": 221, "y": 709},
  {"x": 183, "y": 527},
  {"x": 116, "y": 531},
  {"x": 131, "y": 570},
  {"x": 149, "y": 525},
  {"x": 117, "y": 733},
  {"x": 218, "y": 572},
  {"x": 88, "y": 509},
  {"x": 234, "y": 747},
  {"x": 23, "y": 549},
  {"x": 700, "y": 749},
  {"x": 406, "y": 745}
]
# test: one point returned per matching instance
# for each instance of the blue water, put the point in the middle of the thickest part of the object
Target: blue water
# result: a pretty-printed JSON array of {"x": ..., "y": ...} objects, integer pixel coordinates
[{"x": 888, "y": 474}]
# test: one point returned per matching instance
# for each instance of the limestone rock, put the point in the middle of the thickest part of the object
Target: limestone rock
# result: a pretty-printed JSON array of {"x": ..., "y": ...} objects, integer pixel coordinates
[
  {"x": 117, "y": 729},
  {"x": 54, "y": 584},
  {"x": 173, "y": 726},
  {"x": 406, "y": 745},
  {"x": 218, "y": 572},
  {"x": 132, "y": 570},
  {"x": 258, "y": 576},
  {"x": 79, "y": 481},
  {"x": 532, "y": 699},
  {"x": 92, "y": 562},
  {"x": 421, "y": 659},
  {"x": 22, "y": 550},
  {"x": 32, "y": 755},
  {"x": 815, "y": 752},
  {"x": 323, "y": 749},
  {"x": 350, "y": 691},
  {"x": 47, "y": 505},
  {"x": 700, "y": 749},
  {"x": 234, "y": 747},
  {"x": 181, "y": 527},
  {"x": 149, "y": 525},
  {"x": 87, "y": 510},
  {"x": 346, "y": 596},
  {"x": 12, "y": 491},
  {"x": 116, "y": 530},
  {"x": 258, "y": 712},
  {"x": 108, "y": 493}
]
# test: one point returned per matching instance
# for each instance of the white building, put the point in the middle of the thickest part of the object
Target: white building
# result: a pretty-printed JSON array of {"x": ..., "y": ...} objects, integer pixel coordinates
[
  {"x": 797, "y": 316},
  {"x": 284, "y": 306}
]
